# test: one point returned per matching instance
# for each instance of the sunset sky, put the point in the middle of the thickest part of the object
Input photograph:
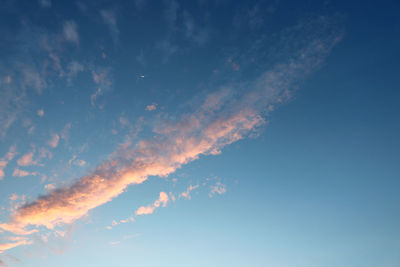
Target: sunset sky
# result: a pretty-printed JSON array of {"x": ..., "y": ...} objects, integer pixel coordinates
[{"x": 199, "y": 133}]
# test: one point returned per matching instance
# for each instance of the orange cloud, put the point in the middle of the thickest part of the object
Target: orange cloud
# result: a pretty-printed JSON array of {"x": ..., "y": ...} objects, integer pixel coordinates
[
  {"x": 206, "y": 131},
  {"x": 133, "y": 166},
  {"x": 9, "y": 245}
]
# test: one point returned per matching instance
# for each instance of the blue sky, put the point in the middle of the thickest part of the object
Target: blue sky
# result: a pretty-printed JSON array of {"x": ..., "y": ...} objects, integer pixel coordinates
[{"x": 199, "y": 133}]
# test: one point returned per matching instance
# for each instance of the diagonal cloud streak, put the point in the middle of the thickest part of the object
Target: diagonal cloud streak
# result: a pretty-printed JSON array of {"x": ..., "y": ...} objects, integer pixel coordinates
[{"x": 224, "y": 117}]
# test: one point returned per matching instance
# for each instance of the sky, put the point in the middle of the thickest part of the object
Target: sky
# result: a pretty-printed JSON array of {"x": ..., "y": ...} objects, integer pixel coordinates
[{"x": 199, "y": 133}]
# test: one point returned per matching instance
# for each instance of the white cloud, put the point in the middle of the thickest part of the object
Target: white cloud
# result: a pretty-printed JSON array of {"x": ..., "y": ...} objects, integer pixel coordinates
[
  {"x": 70, "y": 32},
  {"x": 110, "y": 19},
  {"x": 40, "y": 112}
]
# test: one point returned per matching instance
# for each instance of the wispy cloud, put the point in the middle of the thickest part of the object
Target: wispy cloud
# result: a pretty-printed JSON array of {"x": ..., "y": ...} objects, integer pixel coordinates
[
  {"x": 109, "y": 17},
  {"x": 122, "y": 221},
  {"x": 186, "y": 194},
  {"x": 12, "y": 152},
  {"x": 162, "y": 200},
  {"x": 204, "y": 131},
  {"x": 8, "y": 245},
  {"x": 45, "y": 3},
  {"x": 70, "y": 31},
  {"x": 219, "y": 188},
  {"x": 22, "y": 173},
  {"x": 53, "y": 142},
  {"x": 101, "y": 78}
]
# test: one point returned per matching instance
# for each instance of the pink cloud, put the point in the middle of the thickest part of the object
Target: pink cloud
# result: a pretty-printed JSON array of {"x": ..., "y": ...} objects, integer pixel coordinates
[
  {"x": 26, "y": 159},
  {"x": 162, "y": 200},
  {"x": 151, "y": 107},
  {"x": 5, "y": 159},
  {"x": 147, "y": 158},
  {"x": 2, "y": 166},
  {"x": 53, "y": 142},
  {"x": 186, "y": 194},
  {"x": 203, "y": 132},
  {"x": 218, "y": 188},
  {"x": 22, "y": 173}
]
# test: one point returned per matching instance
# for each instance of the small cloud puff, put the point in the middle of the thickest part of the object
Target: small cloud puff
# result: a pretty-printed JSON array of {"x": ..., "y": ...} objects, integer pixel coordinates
[
  {"x": 40, "y": 112},
  {"x": 50, "y": 187},
  {"x": 162, "y": 200},
  {"x": 151, "y": 107}
]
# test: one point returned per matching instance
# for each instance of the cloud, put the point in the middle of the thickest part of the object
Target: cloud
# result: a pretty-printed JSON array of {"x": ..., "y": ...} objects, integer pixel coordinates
[
  {"x": 26, "y": 159},
  {"x": 192, "y": 31},
  {"x": 218, "y": 188},
  {"x": 65, "y": 132},
  {"x": 94, "y": 96},
  {"x": 70, "y": 32},
  {"x": 45, "y": 3},
  {"x": 53, "y": 142},
  {"x": 80, "y": 162},
  {"x": 171, "y": 12},
  {"x": 101, "y": 79},
  {"x": 115, "y": 223},
  {"x": 5, "y": 159},
  {"x": 186, "y": 194},
  {"x": 9, "y": 245},
  {"x": 110, "y": 19},
  {"x": 50, "y": 187},
  {"x": 151, "y": 107},
  {"x": 162, "y": 200},
  {"x": 178, "y": 141},
  {"x": 22, "y": 173},
  {"x": 73, "y": 68},
  {"x": 40, "y": 112}
]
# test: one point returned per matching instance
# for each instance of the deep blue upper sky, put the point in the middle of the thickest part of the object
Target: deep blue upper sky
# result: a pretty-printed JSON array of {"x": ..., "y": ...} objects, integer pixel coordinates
[{"x": 251, "y": 133}]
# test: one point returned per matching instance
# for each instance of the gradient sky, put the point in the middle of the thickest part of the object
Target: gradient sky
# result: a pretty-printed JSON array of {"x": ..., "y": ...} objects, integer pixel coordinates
[{"x": 199, "y": 133}]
